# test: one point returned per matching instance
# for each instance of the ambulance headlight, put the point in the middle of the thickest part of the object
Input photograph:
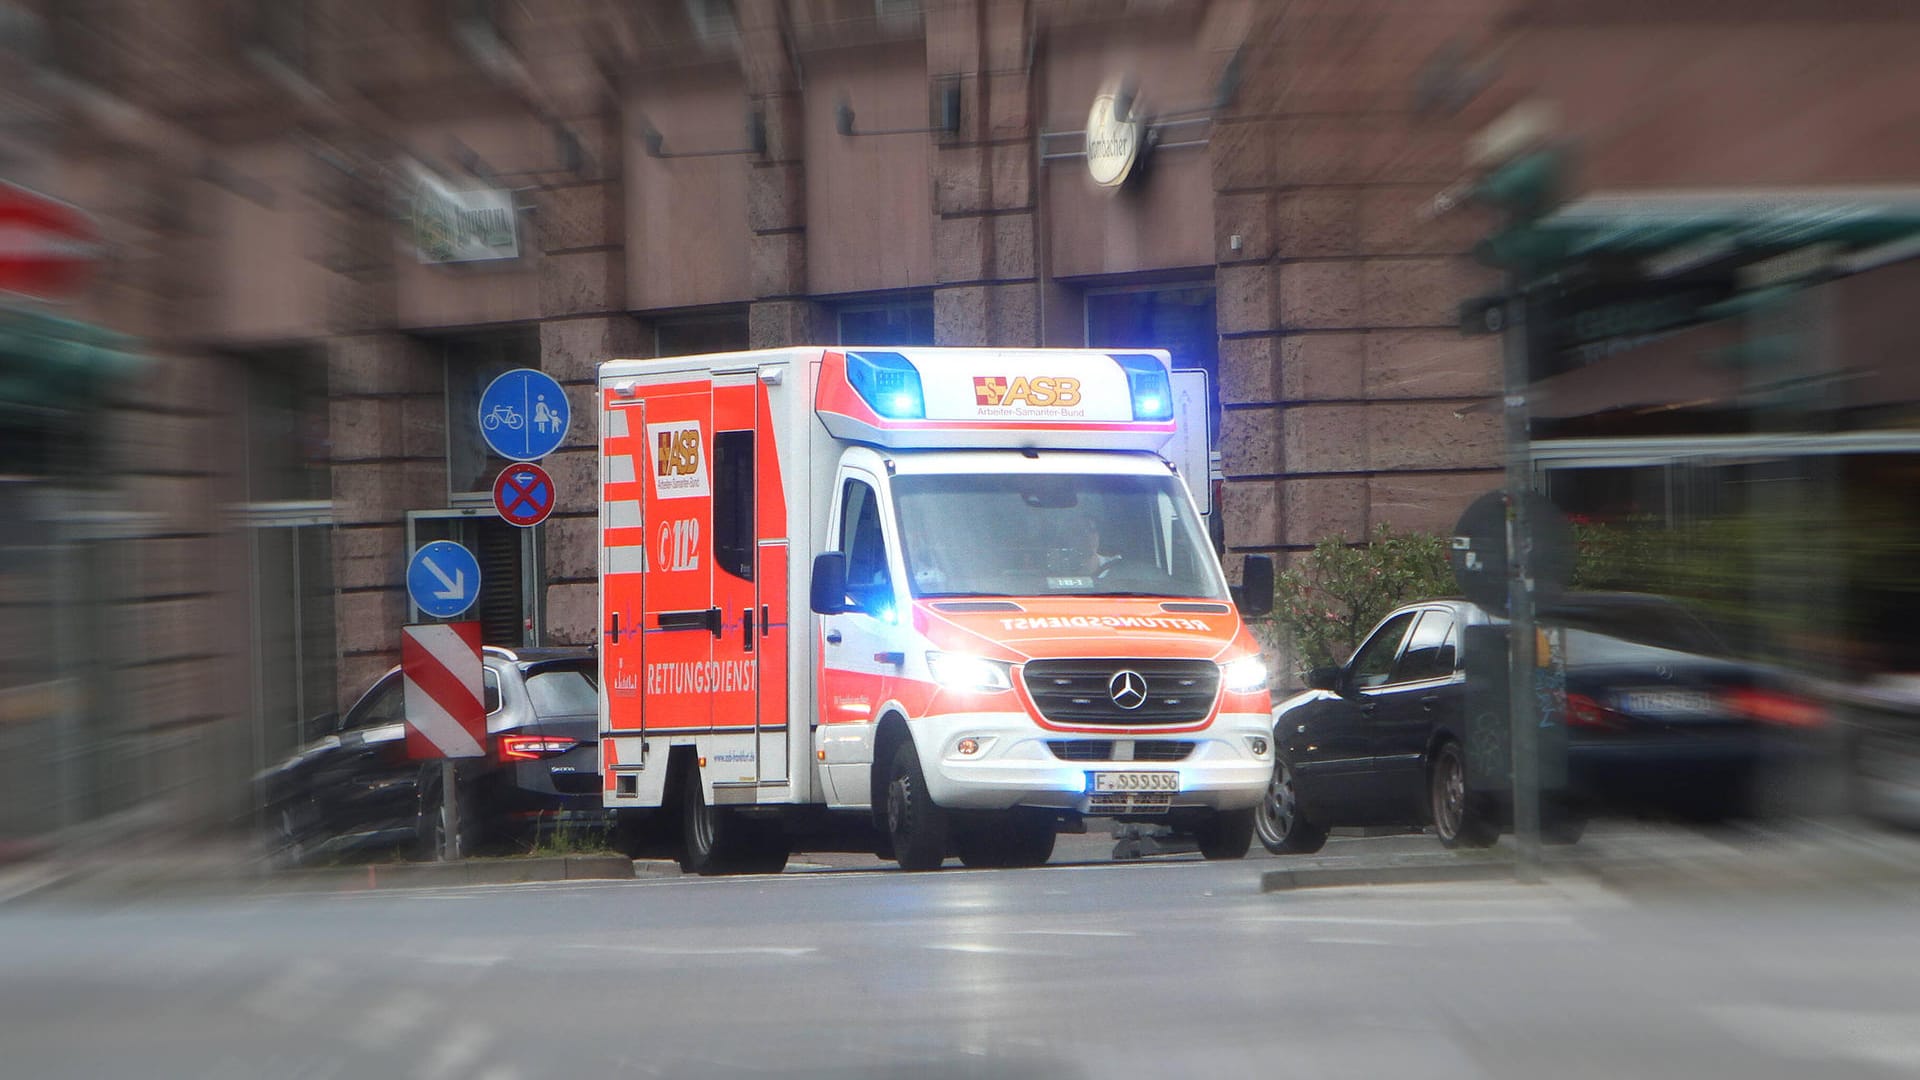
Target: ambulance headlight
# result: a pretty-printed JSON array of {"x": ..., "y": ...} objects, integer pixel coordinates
[
  {"x": 1147, "y": 383},
  {"x": 1246, "y": 675},
  {"x": 889, "y": 383},
  {"x": 971, "y": 674}
]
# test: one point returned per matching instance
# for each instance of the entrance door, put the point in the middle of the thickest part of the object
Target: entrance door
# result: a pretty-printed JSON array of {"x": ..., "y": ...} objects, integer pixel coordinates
[
  {"x": 750, "y": 571},
  {"x": 680, "y": 621}
]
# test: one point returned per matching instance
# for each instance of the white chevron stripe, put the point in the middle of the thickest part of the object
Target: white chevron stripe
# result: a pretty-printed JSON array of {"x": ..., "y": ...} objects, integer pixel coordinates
[
  {"x": 620, "y": 469},
  {"x": 438, "y": 725},
  {"x": 616, "y": 423},
  {"x": 627, "y": 560},
  {"x": 451, "y": 651},
  {"x": 623, "y": 514}
]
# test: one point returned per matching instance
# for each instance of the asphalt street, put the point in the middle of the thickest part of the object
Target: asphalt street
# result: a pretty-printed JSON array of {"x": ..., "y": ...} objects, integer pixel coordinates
[{"x": 1164, "y": 968}]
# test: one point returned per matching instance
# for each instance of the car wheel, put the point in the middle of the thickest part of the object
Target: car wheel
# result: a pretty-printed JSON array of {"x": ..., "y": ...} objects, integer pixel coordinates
[
  {"x": 1227, "y": 834},
  {"x": 1460, "y": 819},
  {"x": 430, "y": 824},
  {"x": 1277, "y": 821},
  {"x": 1563, "y": 824},
  {"x": 716, "y": 840},
  {"x": 916, "y": 826},
  {"x": 1006, "y": 839}
]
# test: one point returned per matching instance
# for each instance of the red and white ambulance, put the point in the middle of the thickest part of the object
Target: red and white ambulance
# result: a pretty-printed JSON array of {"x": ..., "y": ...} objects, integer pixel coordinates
[{"x": 953, "y": 594}]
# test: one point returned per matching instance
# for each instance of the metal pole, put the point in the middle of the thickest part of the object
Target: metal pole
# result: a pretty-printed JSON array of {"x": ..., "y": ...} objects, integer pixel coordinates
[
  {"x": 1520, "y": 653},
  {"x": 449, "y": 813}
]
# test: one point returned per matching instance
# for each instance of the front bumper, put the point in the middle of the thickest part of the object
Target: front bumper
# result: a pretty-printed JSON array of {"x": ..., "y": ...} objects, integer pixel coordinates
[{"x": 1016, "y": 767}]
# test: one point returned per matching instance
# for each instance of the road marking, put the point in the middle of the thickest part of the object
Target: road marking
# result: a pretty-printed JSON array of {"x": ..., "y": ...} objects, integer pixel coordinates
[
  {"x": 982, "y": 948},
  {"x": 1074, "y": 933},
  {"x": 1353, "y": 941},
  {"x": 1418, "y": 924},
  {"x": 737, "y": 950}
]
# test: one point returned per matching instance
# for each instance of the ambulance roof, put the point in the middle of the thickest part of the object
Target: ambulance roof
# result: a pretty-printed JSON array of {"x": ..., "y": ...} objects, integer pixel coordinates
[{"x": 963, "y": 398}]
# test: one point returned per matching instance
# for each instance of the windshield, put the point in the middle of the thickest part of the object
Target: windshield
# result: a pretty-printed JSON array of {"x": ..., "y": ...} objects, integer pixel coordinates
[
  {"x": 1053, "y": 535},
  {"x": 563, "y": 693}
]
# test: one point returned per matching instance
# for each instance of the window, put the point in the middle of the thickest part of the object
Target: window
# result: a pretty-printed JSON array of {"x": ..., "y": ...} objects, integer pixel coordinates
[
  {"x": 1374, "y": 662},
  {"x": 733, "y": 524},
  {"x": 908, "y": 322},
  {"x": 1178, "y": 318},
  {"x": 507, "y": 607},
  {"x": 385, "y": 704},
  {"x": 288, "y": 448},
  {"x": 701, "y": 334},
  {"x": 491, "y": 680},
  {"x": 869, "y": 584},
  {"x": 1430, "y": 650},
  {"x": 563, "y": 693},
  {"x": 473, "y": 361},
  {"x": 1079, "y": 534}
]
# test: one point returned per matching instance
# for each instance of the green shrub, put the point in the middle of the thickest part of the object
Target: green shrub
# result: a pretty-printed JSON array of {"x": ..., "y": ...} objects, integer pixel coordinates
[{"x": 1327, "y": 601}]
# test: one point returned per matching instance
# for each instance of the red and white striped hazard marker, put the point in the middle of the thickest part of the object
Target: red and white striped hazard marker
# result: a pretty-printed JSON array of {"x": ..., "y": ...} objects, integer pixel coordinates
[{"x": 446, "y": 710}]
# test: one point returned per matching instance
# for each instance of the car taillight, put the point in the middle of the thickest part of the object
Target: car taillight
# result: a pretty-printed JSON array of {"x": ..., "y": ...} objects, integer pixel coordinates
[
  {"x": 534, "y": 747},
  {"x": 1585, "y": 712},
  {"x": 1778, "y": 709}
]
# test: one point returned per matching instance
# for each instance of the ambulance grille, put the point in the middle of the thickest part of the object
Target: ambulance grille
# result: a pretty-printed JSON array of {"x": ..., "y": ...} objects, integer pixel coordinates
[
  {"x": 1076, "y": 691},
  {"x": 1102, "y": 749}
]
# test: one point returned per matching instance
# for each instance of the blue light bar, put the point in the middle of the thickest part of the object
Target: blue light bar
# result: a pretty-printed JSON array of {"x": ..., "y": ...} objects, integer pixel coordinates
[
  {"x": 1148, "y": 385},
  {"x": 889, "y": 382}
]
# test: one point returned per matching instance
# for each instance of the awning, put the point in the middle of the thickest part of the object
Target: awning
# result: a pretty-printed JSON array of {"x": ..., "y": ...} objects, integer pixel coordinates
[{"x": 48, "y": 363}]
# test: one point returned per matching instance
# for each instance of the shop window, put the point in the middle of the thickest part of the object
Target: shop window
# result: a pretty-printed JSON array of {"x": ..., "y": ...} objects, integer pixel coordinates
[
  {"x": 904, "y": 322},
  {"x": 473, "y": 361}
]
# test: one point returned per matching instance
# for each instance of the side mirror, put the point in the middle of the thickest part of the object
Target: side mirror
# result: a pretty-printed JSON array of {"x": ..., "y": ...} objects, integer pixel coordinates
[
  {"x": 1324, "y": 678},
  {"x": 332, "y": 723},
  {"x": 1255, "y": 596},
  {"x": 828, "y": 594}
]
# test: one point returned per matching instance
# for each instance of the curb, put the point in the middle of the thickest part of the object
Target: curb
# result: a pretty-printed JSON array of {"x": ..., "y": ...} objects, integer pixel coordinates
[
  {"x": 465, "y": 872},
  {"x": 1328, "y": 877}
]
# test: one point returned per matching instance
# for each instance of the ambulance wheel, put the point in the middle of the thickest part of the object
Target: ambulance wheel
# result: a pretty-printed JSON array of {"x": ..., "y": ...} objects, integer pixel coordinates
[
  {"x": 916, "y": 826},
  {"x": 1009, "y": 839},
  {"x": 1228, "y": 834},
  {"x": 714, "y": 840}
]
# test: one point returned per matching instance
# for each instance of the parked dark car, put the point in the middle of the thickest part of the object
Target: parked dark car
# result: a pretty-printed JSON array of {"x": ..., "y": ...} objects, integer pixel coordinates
[
  {"x": 1658, "y": 717},
  {"x": 357, "y": 790}
]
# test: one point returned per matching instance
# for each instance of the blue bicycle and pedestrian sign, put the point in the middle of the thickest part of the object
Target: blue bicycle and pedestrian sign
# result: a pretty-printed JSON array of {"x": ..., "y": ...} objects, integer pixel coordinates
[
  {"x": 523, "y": 494},
  {"x": 524, "y": 414},
  {"x": 444, "y": 579}
]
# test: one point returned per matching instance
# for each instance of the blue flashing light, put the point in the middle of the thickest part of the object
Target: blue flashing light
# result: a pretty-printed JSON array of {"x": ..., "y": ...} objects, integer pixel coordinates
[
  {"x": 1148, "y": 384},
  {"x": 889, "y": 382}
]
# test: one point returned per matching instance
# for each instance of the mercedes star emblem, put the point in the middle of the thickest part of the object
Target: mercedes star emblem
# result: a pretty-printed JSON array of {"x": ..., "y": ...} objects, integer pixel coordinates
[{"x": 1128, "y": 689}]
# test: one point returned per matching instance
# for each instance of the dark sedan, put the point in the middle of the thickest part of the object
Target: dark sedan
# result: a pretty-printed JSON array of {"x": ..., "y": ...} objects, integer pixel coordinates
[
  {"x": 1657, "y": 716},
  {"x": 357, "y": 790}
]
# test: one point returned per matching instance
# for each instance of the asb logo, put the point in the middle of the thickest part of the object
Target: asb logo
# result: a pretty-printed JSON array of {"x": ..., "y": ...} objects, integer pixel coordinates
[
  {"x": 1042, "y": 391},
  {"x": 678, "y": 469}
]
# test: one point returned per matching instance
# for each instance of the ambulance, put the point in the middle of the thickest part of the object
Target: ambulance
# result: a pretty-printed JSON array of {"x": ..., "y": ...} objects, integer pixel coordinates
[{"x": 953, "y": 599}]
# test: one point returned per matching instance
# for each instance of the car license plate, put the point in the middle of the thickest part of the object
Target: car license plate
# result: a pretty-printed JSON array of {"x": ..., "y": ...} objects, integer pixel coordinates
[
  {"x": 1666, "y": 702},
  {"x": 1136, "y": 781}
]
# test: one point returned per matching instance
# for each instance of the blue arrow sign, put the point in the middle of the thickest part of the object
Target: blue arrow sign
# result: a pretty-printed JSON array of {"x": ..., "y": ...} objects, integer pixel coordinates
[
  {"x": 443, "y": 579},
  {"x": 523, "y": 415}
]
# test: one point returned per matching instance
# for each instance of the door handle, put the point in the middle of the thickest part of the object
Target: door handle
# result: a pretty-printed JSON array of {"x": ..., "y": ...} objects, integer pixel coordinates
[
  {"x": 1367, "y": 707},
  {"x": 613, "y": 632},
  {"x": 833, "y": 637},
  {"x": 1429, "y": 702},
  {"x": 765, "y": 618},
  {"x": 747, "y": 618},
  {"x": 708, "y": 620}
]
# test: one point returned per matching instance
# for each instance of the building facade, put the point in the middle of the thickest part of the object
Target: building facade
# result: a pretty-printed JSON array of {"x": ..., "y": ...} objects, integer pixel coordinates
[{"x": 330, "y": 223}]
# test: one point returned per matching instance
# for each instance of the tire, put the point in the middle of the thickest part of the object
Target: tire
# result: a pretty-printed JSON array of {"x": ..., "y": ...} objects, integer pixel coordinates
[
  {"x": 1563, "y": 825},
  {"x": 1278, "y": 822},
  {"x": 1460, "y": 819},
  {"x": 917, "y": 827},
  {"x": 1007, "y": 839},
  {"x": 715, "y": 840},
  {"x": 1228, "y": 834}
]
